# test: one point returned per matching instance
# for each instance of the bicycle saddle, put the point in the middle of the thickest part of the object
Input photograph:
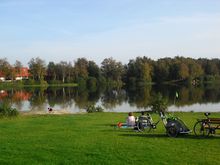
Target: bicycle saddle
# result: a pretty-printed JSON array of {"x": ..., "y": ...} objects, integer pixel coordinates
[{"x": 207, "y": 113}]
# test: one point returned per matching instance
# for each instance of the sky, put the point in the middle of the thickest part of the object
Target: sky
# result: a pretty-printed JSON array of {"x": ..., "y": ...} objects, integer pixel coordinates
[{"x": 64, "y": 30}]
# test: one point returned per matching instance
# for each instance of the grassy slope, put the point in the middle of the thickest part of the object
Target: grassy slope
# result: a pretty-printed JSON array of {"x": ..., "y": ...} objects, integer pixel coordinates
[{"x": 89, "y": 139}]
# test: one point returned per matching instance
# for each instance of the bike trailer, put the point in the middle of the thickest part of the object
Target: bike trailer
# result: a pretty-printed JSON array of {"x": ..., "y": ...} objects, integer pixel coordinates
[{"x": 176, "y": 126}]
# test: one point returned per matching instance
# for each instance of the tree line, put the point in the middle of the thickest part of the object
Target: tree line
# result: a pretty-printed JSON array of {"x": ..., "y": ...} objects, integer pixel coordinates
[{"x": 137, "y": 72}]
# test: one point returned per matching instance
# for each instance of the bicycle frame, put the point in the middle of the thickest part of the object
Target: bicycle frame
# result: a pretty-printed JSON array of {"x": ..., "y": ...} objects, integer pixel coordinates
[
  {"x": 147, "y": 124},
  {"x": 205, "y": 127}
]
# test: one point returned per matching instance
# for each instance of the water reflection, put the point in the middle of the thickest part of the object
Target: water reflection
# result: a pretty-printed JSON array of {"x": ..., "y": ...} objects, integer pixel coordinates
[{"x": 75, "y": 100}]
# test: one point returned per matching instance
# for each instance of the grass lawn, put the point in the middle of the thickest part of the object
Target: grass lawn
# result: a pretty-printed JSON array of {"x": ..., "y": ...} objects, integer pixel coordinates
[{"x": 90, "y": 139}]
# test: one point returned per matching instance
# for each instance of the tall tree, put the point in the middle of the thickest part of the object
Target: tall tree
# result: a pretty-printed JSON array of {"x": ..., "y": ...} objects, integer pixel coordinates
[
  {"x": 70, "y": 72},
  {"x": 112, "y": 69},
  {"x": 183, "y": 71},
  {"x": 93, "y": 70},
  {"x": 17, "y": 69},
  {"x": 195, "y": 69},
  {"x": 81, "y": 68},
  {"x": 63, "y": 69},
  {"x": 161, "y": 70},
  {"x": 141, "y": 69},
  {"x": 5, "y": 68},
  {"x": 211, "y": 68},
  {"x": 51, "y": 71},
  {"x": 37, "y": 68}
]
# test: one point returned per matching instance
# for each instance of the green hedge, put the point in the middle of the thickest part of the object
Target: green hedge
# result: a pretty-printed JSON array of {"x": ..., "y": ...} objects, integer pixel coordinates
[{"x": 6, "y": 111}]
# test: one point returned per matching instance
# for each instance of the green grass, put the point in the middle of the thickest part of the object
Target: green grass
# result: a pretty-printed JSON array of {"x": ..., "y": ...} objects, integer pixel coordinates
[{"x": 90, "y": 139}]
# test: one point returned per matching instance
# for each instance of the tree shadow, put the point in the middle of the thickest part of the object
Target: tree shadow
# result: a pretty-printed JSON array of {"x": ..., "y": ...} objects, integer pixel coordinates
[
  {"x": 130, "y": 132},
  {"x": 119, "y": 130},
  {"x": 139, "y": 134},
  {"x": 188, "y": 136}
]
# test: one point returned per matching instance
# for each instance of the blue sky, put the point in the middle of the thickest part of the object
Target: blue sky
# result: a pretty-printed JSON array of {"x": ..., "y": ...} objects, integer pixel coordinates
[{"x": 64, "y": 30}]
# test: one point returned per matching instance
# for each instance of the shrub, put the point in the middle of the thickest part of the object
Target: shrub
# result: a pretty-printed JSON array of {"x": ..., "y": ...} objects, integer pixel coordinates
[
  {"x": 7, "y": 111},
  {"x": 159, "y": 104},
  {"x": 92, "y": 109}
]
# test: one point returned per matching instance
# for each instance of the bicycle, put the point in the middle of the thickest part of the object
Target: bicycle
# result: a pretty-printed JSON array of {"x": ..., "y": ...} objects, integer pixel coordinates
[
  {"x": 173, "y": 125},
  {"x": 205, "y": 127},
  {"x": 145, "y": 123}
]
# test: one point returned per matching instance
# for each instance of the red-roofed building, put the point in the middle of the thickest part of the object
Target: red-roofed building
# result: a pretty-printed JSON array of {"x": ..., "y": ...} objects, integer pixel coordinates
[
  {"x": 22, "y": 74},
  {"x": 2, "y": 77}
]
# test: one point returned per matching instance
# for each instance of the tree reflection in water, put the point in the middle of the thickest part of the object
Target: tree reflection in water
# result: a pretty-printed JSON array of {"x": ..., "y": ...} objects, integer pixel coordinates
[{"x": 110, "y": 98}]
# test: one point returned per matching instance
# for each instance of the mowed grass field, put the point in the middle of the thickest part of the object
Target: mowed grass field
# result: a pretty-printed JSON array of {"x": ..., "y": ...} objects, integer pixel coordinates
[{"x": 90, "y": 139}]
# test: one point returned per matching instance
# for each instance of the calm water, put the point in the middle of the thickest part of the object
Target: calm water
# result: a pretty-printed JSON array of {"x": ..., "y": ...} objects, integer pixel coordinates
[{"x": 73, "y": 100}]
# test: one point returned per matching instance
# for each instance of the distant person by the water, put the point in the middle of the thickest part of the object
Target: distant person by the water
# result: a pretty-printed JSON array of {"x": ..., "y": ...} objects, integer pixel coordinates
[{"x": 50, "y": 109}]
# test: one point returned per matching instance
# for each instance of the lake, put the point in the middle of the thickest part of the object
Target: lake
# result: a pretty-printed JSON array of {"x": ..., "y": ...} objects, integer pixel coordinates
[{"x": 74, "y": 100}]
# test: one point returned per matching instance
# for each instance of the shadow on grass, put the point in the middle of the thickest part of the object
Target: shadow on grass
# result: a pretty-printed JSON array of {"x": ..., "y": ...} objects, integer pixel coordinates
[
  {"x": 119, "y": 130},
  {"x": 190, "y": 136},
  {"x": 153, "y": 134}
]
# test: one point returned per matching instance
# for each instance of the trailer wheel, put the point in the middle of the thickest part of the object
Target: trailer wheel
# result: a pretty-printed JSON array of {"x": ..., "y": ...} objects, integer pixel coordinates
[{"x": 172, "y": 131}]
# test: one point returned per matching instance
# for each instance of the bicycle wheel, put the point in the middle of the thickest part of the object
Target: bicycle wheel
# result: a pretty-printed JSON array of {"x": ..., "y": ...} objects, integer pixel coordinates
[
  {"x": 201, "y": 128},
  {"x": 172, "y": 131},
  {"x": 144, "y": 126}
]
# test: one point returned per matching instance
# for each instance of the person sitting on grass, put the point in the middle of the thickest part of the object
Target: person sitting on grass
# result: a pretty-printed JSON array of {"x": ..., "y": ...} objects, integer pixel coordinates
[{"x": 130, "y": 121}]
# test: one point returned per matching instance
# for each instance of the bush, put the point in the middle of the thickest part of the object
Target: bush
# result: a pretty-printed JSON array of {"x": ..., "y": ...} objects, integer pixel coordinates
[
  {"x": 92, "y": 109},
  {"x": 159, "y": 104},
  {"x": 7, "y": 111}
]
